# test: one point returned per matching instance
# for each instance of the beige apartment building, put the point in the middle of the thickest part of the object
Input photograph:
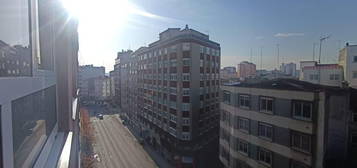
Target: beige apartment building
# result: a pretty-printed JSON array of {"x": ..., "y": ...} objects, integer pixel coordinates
[
  {"x": 170, "y": 93},
  {"x": 246, "y": 69}
]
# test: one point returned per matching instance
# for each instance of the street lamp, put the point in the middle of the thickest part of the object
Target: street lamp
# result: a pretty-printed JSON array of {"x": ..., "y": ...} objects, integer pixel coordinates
[{"x": 321, "y": 40}]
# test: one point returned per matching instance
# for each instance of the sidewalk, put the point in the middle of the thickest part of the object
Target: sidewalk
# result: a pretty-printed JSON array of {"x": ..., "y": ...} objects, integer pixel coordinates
[{"x": 158, "y": 159}]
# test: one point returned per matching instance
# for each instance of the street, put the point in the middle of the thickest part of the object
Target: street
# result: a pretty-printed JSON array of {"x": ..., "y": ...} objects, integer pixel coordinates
[{"x": 115, "y": 146}]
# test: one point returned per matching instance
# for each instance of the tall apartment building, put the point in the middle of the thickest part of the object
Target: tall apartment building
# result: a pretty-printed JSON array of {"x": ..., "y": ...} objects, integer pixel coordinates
[
  {"x": 112, "y": 75},
  {"x": 38, "y": 85},
  {"x": 289, "y": 69},
  {"x": 287, "y": 123},
  {"x": 323, "y": 74},
  {"x": 171, "y": 95},
  {"x": 120, "y": 73},
  {"x": 246, "y": 69},
  {"x": 87, "y": 73},
  {"x": 348, "y": 60}
]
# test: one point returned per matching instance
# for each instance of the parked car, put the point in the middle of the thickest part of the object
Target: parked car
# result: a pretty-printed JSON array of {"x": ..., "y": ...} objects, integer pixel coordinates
[{"x": 100, "y": 116}]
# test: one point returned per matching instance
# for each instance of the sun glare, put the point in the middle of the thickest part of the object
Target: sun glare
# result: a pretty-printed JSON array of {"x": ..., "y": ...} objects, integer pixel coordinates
[{"x": 99, "y": 10}]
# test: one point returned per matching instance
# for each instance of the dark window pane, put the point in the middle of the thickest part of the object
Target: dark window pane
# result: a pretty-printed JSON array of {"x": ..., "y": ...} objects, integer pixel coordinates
[{"x": 33, "y": 118}]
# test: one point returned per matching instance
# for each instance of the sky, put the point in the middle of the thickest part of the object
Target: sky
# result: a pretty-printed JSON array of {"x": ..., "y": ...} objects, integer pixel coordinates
[{"x": 242, "y": 27}]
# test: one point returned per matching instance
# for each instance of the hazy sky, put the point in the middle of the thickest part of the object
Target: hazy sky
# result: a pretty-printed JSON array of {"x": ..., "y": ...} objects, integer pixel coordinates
[{"x": 238, "y": 25}]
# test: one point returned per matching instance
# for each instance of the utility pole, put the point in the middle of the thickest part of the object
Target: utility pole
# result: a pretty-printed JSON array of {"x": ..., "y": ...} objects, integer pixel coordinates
[
  {"x": 321, "y": 40},
  {"x": 277, "y": 46},
  {"x": 251, "y": 55},
  {"x": 261, "y": 58},
  {"x": 313, "y": 51}
]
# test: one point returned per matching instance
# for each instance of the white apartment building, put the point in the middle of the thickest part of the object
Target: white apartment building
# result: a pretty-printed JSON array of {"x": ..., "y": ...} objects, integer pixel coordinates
[
  {"x": 348, "y": 60},
  {"x": 289, "y": 69},
  {"x": 323, "y": 74}
]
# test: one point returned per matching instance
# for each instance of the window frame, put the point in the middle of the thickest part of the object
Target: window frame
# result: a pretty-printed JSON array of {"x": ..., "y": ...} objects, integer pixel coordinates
[
  {"x": 263, "y": 136},
  {"x": 242, "y": 127},
  {"x": 244, "y": 97},
  {"x": 302, "y": 103},
  {"x": 266, "y": 98},
  {"x": 300, "y": 137},
  {"x": 265, "y": 152},
  {"x": 245, "y": 143},
  {"x": 227, "y": 94}
]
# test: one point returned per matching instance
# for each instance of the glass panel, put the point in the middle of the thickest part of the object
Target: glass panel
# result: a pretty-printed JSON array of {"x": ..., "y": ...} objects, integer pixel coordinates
[
  {"x": 15, "y": 50},
  {"x": 307, "y": 110},
  {"x": 33, "y": 118},
  {"x": 297, "y": 109}
]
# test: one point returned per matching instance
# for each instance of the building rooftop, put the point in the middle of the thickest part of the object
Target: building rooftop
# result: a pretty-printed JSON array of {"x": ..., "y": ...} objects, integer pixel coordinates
[
  {"x": 323, "y": 66},
  {"x": 288, "y": 84}
]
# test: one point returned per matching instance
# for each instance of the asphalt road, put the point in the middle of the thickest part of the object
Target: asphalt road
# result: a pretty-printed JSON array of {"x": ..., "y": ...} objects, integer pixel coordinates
[{"x": 116, "y": 146}]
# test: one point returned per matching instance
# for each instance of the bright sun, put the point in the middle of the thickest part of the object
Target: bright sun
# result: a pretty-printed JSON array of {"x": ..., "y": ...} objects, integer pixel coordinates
[{"x": 99, "y": 10}]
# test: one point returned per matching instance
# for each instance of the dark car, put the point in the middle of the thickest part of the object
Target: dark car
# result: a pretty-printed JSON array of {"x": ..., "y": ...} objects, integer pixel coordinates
[{"x": 100, "y": 116}]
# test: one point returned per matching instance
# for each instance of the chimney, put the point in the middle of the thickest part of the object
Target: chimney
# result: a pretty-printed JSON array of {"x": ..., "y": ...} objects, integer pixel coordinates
[{"x": 186, "y": 27}]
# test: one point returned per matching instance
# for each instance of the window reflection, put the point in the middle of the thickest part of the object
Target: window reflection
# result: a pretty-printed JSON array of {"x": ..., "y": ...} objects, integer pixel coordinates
[
  {"x": 33, "y": 119},
  {"x": 15, "y": 50}
]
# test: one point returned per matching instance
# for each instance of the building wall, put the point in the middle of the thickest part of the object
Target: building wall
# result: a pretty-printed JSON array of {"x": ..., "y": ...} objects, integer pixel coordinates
[
  {"x": 346, "y": 59},
  {"x": 323, "y": 76},
  {"x": 246, "y": 69},
  {"x": 37, "y": 107},
  {"x": 327, "y": 130},
  {"x": 161, "y": 96}
]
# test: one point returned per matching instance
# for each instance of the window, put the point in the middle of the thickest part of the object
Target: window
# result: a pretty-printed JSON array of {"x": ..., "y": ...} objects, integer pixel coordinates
[
  {"x": 354, "y": 138},
  {"x": 266, "y": 104},
  {"x": 226, "y": 97},
  {"x": 185, "y": 128},
  {"x": 354, "y": 75},
  {"x": 186, "y": 46},
  {"x": 186, "y": 107},
  {"x": 302, "y": 110},
  {"x": 186, "y": 92},
  {"x": 314, "y": 77},
  {"x": 186, "y": 54},
  {"x": 296, "y": 164},
  {"x": 265, "y": 131},
  {"x": 244, "y": 101},
  {"x": 265, "y": 156},
  {"x": 354, "y": 58},
  {"x": 301, "y": 141},
  {"x": 33, "y": 118},
  {"x": 15, "y": 39},
  {"x": 186, "y": 84},
  {"x": 243, "y": 147},
  {"x": 334, "y": 76},
  {"x": 243, "y": 124},
  {"x": 186, "y": 62},
  {"x": 185, "y": 77}
]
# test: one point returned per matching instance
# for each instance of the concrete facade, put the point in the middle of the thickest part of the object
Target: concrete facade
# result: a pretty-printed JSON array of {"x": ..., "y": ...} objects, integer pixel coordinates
[
  {"x": 171, "y": 95},
  {"x": 323, "y": 74},
  {"x": 246, "y": 69},
  {"x": 348, "y": 60},
  {"x": 306, "y": 125}
]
